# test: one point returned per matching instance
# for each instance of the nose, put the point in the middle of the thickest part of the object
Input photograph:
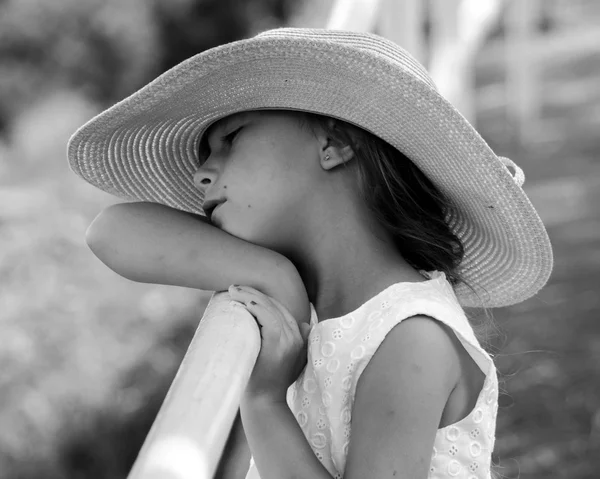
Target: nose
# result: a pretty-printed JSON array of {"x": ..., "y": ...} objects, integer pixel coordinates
[{"x": 204, "y": 177}]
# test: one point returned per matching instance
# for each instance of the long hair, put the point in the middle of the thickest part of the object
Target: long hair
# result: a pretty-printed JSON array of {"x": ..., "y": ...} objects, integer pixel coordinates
[{"x": 405, "y": 202}]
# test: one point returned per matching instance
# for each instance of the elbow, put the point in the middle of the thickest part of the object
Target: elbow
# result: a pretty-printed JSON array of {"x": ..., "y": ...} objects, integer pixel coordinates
[
  {"x": 114, "y": 238},
  {"x": 289, "y": 289},
  {"x": 104, "y": 229},
  {"x": 102, "y": 236},
  {"x": 107, "y": 226},
  {"x": 96, "y": 235}
]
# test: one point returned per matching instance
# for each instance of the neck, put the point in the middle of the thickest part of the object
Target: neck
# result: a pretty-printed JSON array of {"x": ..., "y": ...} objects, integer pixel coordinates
[{"x": 346, "y": 262}]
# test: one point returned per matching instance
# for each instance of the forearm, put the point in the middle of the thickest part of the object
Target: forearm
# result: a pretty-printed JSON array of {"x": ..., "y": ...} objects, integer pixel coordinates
[
  {"x": 277, "y": 443},
  {"x": 152, "y": 243}
]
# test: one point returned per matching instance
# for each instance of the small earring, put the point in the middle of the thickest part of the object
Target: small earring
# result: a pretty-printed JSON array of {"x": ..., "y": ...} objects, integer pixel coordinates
[{"x": 326, "y": 157}]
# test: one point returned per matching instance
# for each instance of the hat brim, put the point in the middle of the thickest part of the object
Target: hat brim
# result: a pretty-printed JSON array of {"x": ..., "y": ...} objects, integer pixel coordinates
[{"x": 146, "y": 146}]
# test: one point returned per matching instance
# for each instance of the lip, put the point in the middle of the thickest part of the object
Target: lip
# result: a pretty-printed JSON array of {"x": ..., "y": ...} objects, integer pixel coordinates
[{"x": 212, "y": 214}]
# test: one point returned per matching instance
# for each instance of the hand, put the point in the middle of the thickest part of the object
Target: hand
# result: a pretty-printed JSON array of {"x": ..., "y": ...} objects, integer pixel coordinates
[{"x": 283, "y": 348}]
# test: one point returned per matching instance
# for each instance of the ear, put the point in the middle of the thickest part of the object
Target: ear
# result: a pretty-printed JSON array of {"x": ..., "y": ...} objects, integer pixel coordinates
[{"x": 334, "y": 156}]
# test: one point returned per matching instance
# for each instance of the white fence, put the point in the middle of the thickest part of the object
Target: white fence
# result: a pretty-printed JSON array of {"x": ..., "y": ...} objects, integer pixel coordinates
[{"x": 458, "y": 28}]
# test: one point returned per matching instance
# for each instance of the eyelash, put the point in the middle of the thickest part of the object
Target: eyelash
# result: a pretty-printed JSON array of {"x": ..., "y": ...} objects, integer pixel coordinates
[{"x": 228, "y": 139}]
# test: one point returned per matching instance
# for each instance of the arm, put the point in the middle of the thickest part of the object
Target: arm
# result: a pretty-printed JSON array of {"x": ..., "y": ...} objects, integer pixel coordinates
[
  {"x": 277, "y": 442},
  {"x": 152, "y": 243},
  {"x": 399, "y": 400}
]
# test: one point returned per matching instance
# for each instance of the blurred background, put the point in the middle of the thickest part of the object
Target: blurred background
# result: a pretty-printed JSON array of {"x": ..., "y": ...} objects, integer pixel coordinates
[{"x": 86, "y": 357}]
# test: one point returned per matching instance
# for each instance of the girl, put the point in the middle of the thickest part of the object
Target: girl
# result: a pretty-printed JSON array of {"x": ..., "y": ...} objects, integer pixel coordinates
[{"x": 358, "y": 212}]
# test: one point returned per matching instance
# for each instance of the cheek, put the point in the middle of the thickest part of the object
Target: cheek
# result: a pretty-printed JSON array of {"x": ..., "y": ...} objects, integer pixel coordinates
[
  {"x": 263, "y": 215},
  {"x": 267, "y": 188},
  {"x": 266, "y": 191}
]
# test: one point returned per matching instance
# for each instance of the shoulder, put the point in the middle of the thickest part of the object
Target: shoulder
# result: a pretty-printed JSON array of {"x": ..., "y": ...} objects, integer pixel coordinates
[
  {"x": 400, "y": 398},
  {"x": 417, "y": 345}
]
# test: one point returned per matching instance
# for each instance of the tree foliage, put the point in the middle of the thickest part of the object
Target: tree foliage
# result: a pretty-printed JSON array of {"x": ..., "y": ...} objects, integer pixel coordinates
[{"x": 108, "y": 48}]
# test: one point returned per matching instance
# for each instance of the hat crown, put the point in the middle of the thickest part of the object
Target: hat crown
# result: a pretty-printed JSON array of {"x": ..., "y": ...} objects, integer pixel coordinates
[{"x": 369, "y": 43}]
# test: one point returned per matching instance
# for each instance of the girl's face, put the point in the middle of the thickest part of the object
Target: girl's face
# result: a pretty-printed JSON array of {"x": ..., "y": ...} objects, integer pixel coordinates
[{"x": 264, "y": 166}]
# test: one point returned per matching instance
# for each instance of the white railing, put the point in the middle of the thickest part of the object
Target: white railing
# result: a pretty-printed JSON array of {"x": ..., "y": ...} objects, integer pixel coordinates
[
  {"x": 458, "y": 29},
  {"x": 522, "y": 76},
  {"x": 190, "y": 431},
  {"x": 189, "y": 434}
]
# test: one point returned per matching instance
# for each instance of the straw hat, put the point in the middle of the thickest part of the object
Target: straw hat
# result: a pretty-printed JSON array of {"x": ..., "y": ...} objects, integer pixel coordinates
[{"x": 146, "y": 147}]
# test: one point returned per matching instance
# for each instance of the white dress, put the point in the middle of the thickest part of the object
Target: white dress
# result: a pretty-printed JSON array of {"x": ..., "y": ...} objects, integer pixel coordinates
[{"x": 339, "y": 349}]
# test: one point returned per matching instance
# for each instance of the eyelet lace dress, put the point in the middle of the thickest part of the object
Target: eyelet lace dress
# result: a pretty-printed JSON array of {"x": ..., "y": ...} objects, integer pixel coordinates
[{"x": 339, "y": 349}]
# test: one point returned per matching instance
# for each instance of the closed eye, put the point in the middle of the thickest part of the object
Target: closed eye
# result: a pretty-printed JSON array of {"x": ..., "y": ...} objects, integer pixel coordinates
[
  {"x": 204, "y": 150},
  {"x": 228, "y": 139}
]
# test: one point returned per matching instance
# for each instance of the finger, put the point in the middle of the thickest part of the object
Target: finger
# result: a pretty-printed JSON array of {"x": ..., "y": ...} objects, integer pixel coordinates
[
  {"x": 255, "y": 315},
  {"x": 280, "y": 316},
  {"x": 267, "y": 316},
  {"x": 290, "y": 322},
  {"x": 239, "y": 293},
  {"x": 246, "y": 294},
  {"x": 250, "y": 290},
  {"x": 242, "y": 305}
]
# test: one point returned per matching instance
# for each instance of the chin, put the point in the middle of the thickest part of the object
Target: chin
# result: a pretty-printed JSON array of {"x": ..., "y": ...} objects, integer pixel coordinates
[
  {"x": 248, "y": 234},
  {"x": 236, "y": 231},
  {"x": 255, "y": 232}
]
